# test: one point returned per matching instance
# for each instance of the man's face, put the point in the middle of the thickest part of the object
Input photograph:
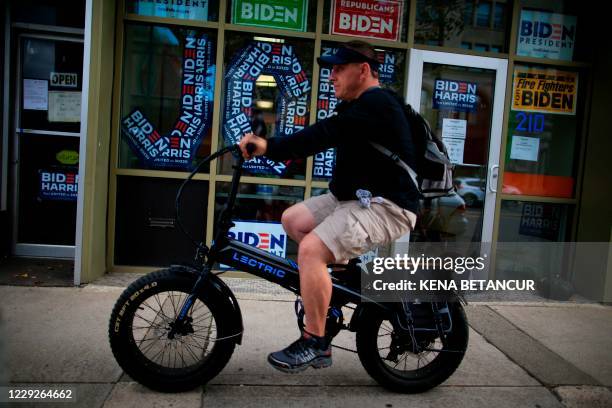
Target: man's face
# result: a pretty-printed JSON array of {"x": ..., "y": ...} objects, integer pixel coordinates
[{"x": 347, "y": 79}]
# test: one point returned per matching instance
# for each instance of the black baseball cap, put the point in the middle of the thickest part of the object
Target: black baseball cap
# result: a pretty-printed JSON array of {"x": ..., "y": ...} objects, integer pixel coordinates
[{"x": 346, "y": 55}]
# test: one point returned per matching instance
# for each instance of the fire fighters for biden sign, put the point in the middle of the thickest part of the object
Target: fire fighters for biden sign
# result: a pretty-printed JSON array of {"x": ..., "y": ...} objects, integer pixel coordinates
[
  {"x": 178, "y": 147},
  {"x": 367, "y": 18},
  {"x": 453, "y": 95}
]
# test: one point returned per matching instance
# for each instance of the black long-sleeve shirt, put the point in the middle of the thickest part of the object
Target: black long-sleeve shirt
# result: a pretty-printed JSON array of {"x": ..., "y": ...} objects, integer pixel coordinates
[{"x": 376, "y": 115}]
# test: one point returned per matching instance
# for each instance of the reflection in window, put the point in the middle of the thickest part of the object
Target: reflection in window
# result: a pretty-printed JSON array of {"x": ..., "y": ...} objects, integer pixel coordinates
[
  {"x": 483, "y": 14},
  {"x": 468, "y": 15},
  {"x": 499, "y": 16},
  {"x": 458, "y": 22}
]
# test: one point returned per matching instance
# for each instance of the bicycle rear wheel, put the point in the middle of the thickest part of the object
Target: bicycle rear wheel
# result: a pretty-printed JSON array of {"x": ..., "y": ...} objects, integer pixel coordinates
[{"x": 389, "y": 358}]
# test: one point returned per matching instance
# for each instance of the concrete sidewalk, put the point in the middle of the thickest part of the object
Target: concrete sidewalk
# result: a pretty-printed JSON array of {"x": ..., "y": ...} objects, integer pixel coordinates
[{"x": 536, "y": 355}]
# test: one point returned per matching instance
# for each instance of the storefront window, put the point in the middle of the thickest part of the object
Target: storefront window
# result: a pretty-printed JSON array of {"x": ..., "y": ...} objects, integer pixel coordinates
[
  {"x": 530, "y": 239},
  {"x": 257, "y": 215},
  {"x": 266, "y": 90},
  {"x": 453, "y": 23},
  {"x": 541, "y": 153},
  {"x": 201, "y": 10},
  {"x": 368, "y": 19},
  {"x": 499, "y": 16},
  {"x": 167, "y": 98},
  {"x": 146, "y": 231},
  {"x": 391, "y": 75},
  {"x": 483, "y": 14},
  {"x": 292, "y": 15}
]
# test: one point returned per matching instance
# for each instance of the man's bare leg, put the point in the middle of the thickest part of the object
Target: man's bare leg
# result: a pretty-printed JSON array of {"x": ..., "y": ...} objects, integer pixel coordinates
[
  {"x": 315, "y": 283},
  {"x": 298, "y": 221}
]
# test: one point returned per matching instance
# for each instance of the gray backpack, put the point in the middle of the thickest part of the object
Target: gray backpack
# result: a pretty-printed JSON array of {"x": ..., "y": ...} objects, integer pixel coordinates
[{"x": 433, "y": 176}]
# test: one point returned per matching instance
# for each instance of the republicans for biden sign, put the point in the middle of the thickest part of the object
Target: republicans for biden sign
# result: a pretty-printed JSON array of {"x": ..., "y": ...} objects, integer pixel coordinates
[{"x": 367, "y": 18}]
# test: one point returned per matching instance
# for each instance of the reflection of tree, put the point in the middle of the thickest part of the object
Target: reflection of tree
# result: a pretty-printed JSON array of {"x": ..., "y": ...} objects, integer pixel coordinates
[{"x": 440, "y": 20}]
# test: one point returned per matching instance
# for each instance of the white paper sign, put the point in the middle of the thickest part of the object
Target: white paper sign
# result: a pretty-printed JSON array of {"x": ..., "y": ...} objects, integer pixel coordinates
[
  {"x": 525, "y": 148},
  {"x": 454, "y": 128},
  {"x": 455, "y": 148},
  {"x": 64, "y": 106},
  {"x": 35, "y": 94}
]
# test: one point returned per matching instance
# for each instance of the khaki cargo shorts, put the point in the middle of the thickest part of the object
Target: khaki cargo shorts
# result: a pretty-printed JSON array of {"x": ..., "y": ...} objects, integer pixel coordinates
[{"x": 349, "y": 230}]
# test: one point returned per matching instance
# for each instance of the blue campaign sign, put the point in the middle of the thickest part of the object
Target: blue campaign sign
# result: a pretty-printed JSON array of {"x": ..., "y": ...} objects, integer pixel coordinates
[
  {"x": 177, "y": 147},
  {"x": 459, "y": 96},
  {"x": 256, "y": 59},
  {"x": 58, "y": 184}
]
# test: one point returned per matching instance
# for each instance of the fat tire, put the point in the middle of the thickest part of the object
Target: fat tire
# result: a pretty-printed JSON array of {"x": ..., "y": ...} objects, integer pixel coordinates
[
  {"x": 438, "y": 371},
  {"x": 123, "y": 345}
]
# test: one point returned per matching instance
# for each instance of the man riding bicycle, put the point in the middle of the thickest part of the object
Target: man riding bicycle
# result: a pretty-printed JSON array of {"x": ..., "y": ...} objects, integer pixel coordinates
[{"x": 338, "y": 226}]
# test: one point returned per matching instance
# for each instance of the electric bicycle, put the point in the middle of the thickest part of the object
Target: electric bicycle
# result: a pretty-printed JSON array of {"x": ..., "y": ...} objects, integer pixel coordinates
[{"x": 176, "y": 328}]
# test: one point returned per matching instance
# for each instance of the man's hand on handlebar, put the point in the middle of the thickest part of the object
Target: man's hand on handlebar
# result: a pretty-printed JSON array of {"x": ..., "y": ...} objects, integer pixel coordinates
[{"x": 259, "y": 143}]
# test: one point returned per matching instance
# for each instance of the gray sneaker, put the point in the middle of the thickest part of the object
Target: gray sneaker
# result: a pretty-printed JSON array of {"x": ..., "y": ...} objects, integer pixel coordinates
[{"x": 301, "y": 354}]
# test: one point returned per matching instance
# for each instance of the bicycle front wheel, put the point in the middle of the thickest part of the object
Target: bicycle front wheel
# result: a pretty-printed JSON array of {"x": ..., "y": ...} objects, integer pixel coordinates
[{"x": 148, "y": 346}]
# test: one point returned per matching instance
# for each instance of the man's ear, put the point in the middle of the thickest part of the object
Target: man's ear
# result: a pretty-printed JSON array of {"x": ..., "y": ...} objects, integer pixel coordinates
[{"x": 365, "y": 70}]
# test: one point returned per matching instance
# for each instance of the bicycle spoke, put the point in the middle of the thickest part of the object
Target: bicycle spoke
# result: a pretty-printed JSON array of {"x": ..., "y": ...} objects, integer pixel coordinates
[
  {"x": 199, "y": 319},
  {"x": 185, "y": 349},
  {"x": 156, "y": 296},
  {"x": 171, "y": 297},
  {"x": 158, "y": 312},
  {"x": 153, "y": 324}
]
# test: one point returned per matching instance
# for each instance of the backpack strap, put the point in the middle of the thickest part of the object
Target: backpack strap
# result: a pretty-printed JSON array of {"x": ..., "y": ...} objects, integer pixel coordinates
[{"x": 396, "y": 159}]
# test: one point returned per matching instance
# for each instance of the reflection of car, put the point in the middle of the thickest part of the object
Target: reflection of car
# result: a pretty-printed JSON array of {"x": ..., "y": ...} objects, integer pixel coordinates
[
  {"x": 441, "y": 218},
  {"x": 471, "y": 189},
  {"x": 508, "y": 189}
]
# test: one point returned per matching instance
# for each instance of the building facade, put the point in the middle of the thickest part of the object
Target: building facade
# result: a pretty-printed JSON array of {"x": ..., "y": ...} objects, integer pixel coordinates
[{"x": 108, "y": 105}]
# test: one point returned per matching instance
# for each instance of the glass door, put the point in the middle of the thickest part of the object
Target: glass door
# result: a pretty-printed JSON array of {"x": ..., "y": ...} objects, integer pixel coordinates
[
  {"x": 462, "y": 97},
  {"x": 46, "y": 145}
]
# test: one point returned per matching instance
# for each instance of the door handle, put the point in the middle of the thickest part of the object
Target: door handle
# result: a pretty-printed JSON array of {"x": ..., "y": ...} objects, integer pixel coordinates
[{"x": 493, "y": 175}]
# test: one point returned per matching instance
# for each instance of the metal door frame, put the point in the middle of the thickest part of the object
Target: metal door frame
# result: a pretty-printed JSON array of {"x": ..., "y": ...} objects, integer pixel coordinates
[
  {"x": 28, "y": 249},
  {"x": 500, "y": 66}
]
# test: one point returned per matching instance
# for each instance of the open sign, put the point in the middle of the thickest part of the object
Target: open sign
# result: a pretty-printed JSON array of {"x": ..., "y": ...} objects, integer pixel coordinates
[{"x": 63, "y": 79}]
